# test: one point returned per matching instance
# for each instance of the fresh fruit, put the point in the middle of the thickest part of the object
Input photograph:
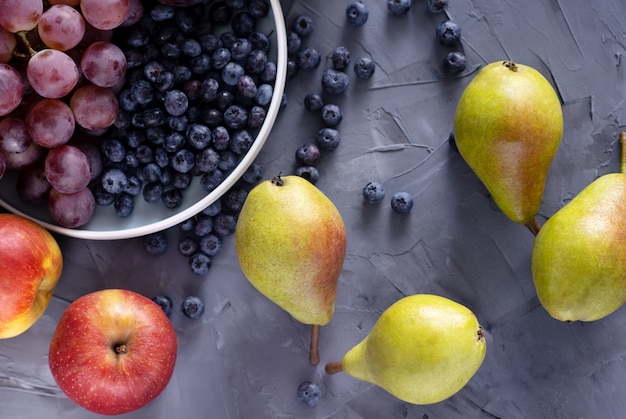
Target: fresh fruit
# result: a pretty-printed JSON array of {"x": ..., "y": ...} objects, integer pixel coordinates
[
  {"x": 309, "y": 173},
  {"x": 193, "y": 307},
  {"x": 364, "y": 68},
  {"x": 448, "y": 33},
  {"x": 334, "y": 81},
  {"x": 308, "y": 58},
  {"x": 374, "y": 192},
  {"x": 357, "y": 13},
  {"x": 30, "y": 268},
  {"x": 291, "y": 244},
  {"x": 308, "y": 154},
  {"x": 340, "y": 58},
  {"x": 309, "y": 393},
  {"x": 113, "y": 351},
  {"x": 401, "y": 202},
  {"x": 437, "y": 6},
  {"x": 165, "y": 303},
  {"x": 423, "y": 349},
  {"x": 313, "y": 102},
  {"x": 156, "y": 244},
  {"x": 579, "y": 255},
  {"x": 303, "y": 25},
  {"x": 508, "y": 126},
  {"x": 454, "y": 63},
  {"x": 327, "y": 139},
  {"x": 331, "y": 114},
  {"x": 398, "y": 7}
]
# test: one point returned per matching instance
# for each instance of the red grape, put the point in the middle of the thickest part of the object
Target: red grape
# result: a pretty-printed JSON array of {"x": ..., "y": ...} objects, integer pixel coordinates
[
  {"x": 20, "y": 15},
  {"x": 19, "y": 161},
  {"x": 105, "y": 14},
  {"x": 94, "y": 107},
  {"x": 7, "y": 45},
  {"x": 103, "y": 64},
  {"x": 51, "y": 73},
  {"x": 71, "y": 210},
  {"x": 32, "y": 185},
  {"x": 134, "y": 14},
  {"x": 67, "y": 169},
  {"x": 67, "y": 2},
  {"x": 11, "y": 89},
  {"x": 14, "y": 137},
  {"x": 50, "y": 123},
  {"x": 61, "y": 27}
]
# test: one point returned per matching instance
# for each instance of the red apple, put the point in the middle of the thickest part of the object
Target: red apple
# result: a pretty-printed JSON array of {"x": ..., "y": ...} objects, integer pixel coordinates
[
  {"x": 113, "y": 351},
  {"x": 30, "y": 268}
]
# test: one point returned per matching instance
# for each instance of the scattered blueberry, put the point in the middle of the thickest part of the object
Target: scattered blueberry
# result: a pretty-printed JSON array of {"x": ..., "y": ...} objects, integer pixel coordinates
[
  {"x": 210, "y": 245},
  {"x": 454, "y": 62},
  {"x": 357, "y": 13},
  {"x": 332, "y": 115},
  {"x": 374, "y": 192},
  {"x": 309, "y": 393},
  {"x": 193, "y": 307},
  {"x": 401, "y": 202},
  {"x": 437, "y": 6},
  {"x": 165, "y": 303},
  {"x": 328, "y": 139},
  {"x": 309, "y": 173},
  {"x": 187, "y": 246},
  {"x": 224, "y": 224},
  {"x": 156, "y": 243},
  {"x": 335, "y": 81},
  {"x": 308, "y": 58},
  {"x": 398, "y": 7},
  {"x": 199, "y": 263},
  {"x": 340, "y": 58},
  {"x": 364, "y": 68},
  {"x": 448, "y": 33},
  {"x": 303, "y": 25},
  {"x": 308, "y": 154},
  {"x": 313, "y": 102}
]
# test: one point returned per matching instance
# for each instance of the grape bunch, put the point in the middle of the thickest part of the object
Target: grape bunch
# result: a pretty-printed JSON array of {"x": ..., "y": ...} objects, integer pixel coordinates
[{"x": 59, "y": 71}]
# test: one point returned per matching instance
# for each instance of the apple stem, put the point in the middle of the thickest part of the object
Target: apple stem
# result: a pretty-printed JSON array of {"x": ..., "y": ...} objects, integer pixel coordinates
[
  {"x": 334, "y": 367},
  {"x": 314, "y": 353},
  {"x": 533, "y": 226},
  {"x": 622, "y": 139},
  {"x": 121, "y": 349}
]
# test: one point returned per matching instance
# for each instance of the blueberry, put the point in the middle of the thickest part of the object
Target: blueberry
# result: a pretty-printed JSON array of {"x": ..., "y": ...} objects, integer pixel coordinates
[
  {"x": 308, "y": 58},
  {"x": 188, "y": 224},
  {"x": 331, "y": 114},
  {"x": 210, "y": 181},
  {"x": 152, "y": 192},
  {"x": 220, "y": 13},
  {"x": 235, "y": 4},
  {"x": 227, "y": 160},
  {"x": 162, "y": 12},
  {"x": 207, "y": 160},
  {"x": 200, "y": 64},
  {"x": 224, "y": 224},
  {"x": 127, "y": 101},
  {"x": 448, "y": 33},
  {"x": 303, "y": 25},
  {"x": 231, "y": 73},
  {"x": 294, "y": 42},
  {"x": 357, "y": 13},
  {"x": 133, "y": 185},
  {"x": 264, "y": 94},
  {"x": 152, "y": 70},
  {"x": 309, "y": 393},
  {"x": 220, "y": 137},
  {"x": 165, "y": 303},
  {"x": 246, "y": 86},
  {"x": 335, "y": 81},
  {"x": 234, "y": 199},
  {"x": 313, "y": 102},
  {"x": 309, "y": 173},
  {"x": 235, "y": 117},
  {"x": 340, "y": 58},
  {"x": 398, "y": 7},
  {"x": 187, "y": 246},
  {"x": 156, "y": 243},
  {"x": 113, "y": 149},
  {"x": 240, "y": 49},
  {"x": 191, "y": 48},
  {"x": 101, "y": 196},
  {"x": 220, "y": 57},
  {"x": 213, "y": 209},
  {"x": 173, "y": 142},
  {"x": 145, "y": 154},
  {"x": 203, "y": 225},
  {"x": 243, "y": 23},
  {"x": 268, "y": 75},
  {"x": 198, "y": 136},
  {"x": 175, "y": 102},
  {"x": 437, "y": 6},
  {"x": 256, "y": 61},
  {"x": 151, "y": 172},
  {"x": 454, "y": 63},
  {"x": 210, "y": 245},
  {"x": 199, "y": 263},
  {"x": 260, "y": 41},
  {"x": 183, "y": 160},
  {"x": 374, "y": 192},
  {"x": 328, "y": 139},
  {"x": 114, "y": 180},
  {"x": 308, "y": 154},
  {"x": 124, "y": 204},
  {"x": 292, "y": 68},
  {"x": 208, "y": 90},
  {"x": 364, "y": 68},
  {"x": 259, "y": 8},
  {"x": 401, "y": 202},
  {"x": 254, "y": 173},
  {"x": 193, "y": 307},
  {"x": 241, "y": 141},
  {"x": 172, "y": 198}
]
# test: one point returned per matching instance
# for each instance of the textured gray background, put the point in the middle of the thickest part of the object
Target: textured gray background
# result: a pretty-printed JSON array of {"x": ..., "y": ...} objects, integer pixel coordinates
[{"x": 246, "y": 357}]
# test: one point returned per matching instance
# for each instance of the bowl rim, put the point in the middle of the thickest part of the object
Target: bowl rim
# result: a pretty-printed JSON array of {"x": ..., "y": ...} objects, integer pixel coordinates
[{"x": 223, "y": 187}]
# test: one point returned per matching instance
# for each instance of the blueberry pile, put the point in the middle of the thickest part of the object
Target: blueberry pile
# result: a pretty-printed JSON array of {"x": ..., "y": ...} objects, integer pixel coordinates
[{"x": 198, "y": 85}]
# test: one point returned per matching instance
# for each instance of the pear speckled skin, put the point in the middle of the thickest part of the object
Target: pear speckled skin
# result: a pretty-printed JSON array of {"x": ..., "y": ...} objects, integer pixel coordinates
[
  {"x": 291, "y": 245},
  {"x": 423, "y": 349},
  {"x": 508, "y": 126},
  {"x": 579, "y": 255}
]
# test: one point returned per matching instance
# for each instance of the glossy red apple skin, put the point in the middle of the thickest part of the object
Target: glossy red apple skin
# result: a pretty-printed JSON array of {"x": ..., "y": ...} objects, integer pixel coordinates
[
  {"x": 30, "y": 268},
  {"x": 83, "y": 357}
]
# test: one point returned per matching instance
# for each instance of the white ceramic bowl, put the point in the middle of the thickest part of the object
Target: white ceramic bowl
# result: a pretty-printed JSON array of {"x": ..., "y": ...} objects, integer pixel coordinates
[{"x": 149, "y": 218}]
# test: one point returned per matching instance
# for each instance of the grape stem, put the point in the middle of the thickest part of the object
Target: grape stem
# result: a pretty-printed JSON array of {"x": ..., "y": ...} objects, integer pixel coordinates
[{"x": 21, "y": 35}]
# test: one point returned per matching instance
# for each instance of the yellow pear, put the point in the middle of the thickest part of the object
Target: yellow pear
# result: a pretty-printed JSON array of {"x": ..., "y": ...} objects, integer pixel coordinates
[
  {"x": 579, "y": 256},
  {"x": 507, "y": 127},
  {"x": 423, "y": 349},
  {"x": 291, "y": 245}
]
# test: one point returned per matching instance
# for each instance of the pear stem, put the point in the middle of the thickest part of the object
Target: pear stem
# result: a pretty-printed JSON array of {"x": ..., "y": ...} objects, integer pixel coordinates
[
  {"x": 533, "y": 226},
  {"x": 314, "y": 352},
  {"x": 334, "y": 367},
  {"x": 622, "y": 140}
]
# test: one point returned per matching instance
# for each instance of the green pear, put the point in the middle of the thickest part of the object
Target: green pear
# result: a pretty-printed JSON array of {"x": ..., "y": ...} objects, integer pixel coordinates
[
  {"x": 423, "y": 349},
  {"x": 579, "y": 256},
  {"x": 507, "y": 127},
  {"x": 291, "y": 244}
]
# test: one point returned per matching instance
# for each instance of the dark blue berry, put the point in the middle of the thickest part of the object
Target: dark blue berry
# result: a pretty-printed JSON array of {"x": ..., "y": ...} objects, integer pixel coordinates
[
  {"x": 181, "y": 180},
  {"x": 260, "y": 41},
  {"x": 124, "y": 204},
  {"x": 259, "y": 8},
  {"x": 200, "y": 64},
  {"x": 243, "y": 23},
  {"x": 448, "y": 33},
  {"x": 235, "y": 117},
  {"x": 200, "y": 264},
  {"x": 357, "y": 13},
  {"x": 308, "y": 154},
  {"x": 256, "y": 117},
  {"x": 303, "y": 25},
  {"x": 175, "y": 102},
  {"x": 256, "y": 61},
  {"x": 246, "y": 87},
  {"x": 228, "y": 160},
  {"x": 203, "y": 225},
  {"x": 234, "y": 199},
  {"x": 207, "y": 160},
  {"x": 308, "y": 58},
  {"x": 165, "y": 303},
  {"x": 309, "y": 393},
  {"x": 220, "y": 58},
  {"x": 437, "y": 6},
  {"x": 187, "y": 246},
  {"x": 340, "y": 58},
  {"x": 335, "y": 81},
  {"x": 213, "y": 209},
  {"x": 292, "y": 68},
  {"x": 101, "y": 196},
  {"x": 313, "y": 102},
  {"x": 161, "y": 12},
  {"x": 331, "y": 114},
  {"x": 152, "y": 70},
  {"x": 198, "y": 136},
  {"x": 328, "y": 139},
  {"x": 264, "y": 94},
  {"x": 113, "y": 149},
  {"x": 241, "y": 141},
  {"x": 193, "y": 307},
  {"x": 220, "y": 137},
  {"x": 309, "y": 173},
  {"x": 254, "y": 173},
  {"x": 401, "y": 202},
  {"x": 151, "y": 172},
  {"x": 268, "y": 75},
  {"x": 142, "y": 92},
  {"x": 374, "y": 192},
  {"x": 172, "y": 198},
  {"x": 454, "y": 63},
  {"x": 240, "y": 49},
  {"x": 364, "y": 68},
  {"x": 173, "y": 142},
  {"x": 152, "y": 192},
  {"x": 156, "y": 243},
  {"x": 133, "y": 185},
  {"x": 224, "y": 224},
  {"x": 210, "y": 245},
  {"x": 183, "y": 160},
  {"x": 294, "y": 42},
  {"x": 210, "y": 181},
  {"x": 398, "y": 7},
  {"x": 188, "y": 224},
  {"x": 114, "y": 180},
  {"x": 191, "y": 48}
]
